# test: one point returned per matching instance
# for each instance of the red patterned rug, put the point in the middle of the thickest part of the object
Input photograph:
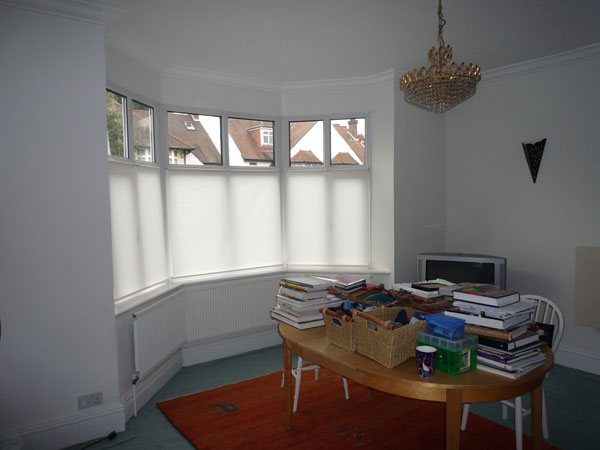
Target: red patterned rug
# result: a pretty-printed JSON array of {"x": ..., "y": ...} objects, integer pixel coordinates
[{"x": 251, "y": 415}]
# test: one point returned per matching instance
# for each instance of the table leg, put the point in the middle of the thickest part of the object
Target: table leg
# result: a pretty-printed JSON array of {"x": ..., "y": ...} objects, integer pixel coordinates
[
  {"x": 536, "y": 417},
  {"x": 453, "y": 416},
  {"x": 287, "y": 381}
]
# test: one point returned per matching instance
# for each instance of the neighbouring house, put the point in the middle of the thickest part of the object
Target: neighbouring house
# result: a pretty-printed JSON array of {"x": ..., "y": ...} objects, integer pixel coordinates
[
  {"x": 251, "y": 143},
  {"x": 189, "y": 142},
  {"x": 306, "y": 143},
  {"x": 142, "y": 135}
]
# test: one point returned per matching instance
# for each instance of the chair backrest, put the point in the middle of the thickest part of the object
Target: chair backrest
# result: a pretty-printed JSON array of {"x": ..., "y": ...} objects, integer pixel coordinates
[{"x": 547, "y": 312}]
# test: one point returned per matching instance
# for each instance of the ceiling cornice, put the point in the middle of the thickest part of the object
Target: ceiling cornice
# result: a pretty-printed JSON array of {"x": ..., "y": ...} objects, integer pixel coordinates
[
  {"x": 73, "y": 9},
  {"x": 227, "y": 79},
  {"x": 341, "y": 83},
  {"x": 535, "y": 65},
  {"x": 139, "y": 54}
]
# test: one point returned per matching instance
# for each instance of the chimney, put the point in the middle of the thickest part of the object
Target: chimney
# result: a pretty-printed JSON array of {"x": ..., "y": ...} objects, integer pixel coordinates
[{"x": 353, "y": 127}]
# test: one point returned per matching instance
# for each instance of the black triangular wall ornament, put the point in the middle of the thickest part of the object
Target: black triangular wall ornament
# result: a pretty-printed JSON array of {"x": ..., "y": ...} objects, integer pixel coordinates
[{"x": 533, "y": 155}]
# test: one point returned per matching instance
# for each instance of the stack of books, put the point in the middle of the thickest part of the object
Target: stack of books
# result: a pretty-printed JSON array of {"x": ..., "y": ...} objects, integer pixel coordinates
[
  {"x": 508, "y": 341},
  {"x": 300, "y": 299},
  {"x": 347, "y": 284}
]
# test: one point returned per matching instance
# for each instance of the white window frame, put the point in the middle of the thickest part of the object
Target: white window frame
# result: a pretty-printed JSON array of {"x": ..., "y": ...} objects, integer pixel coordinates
[
  {"x": 327, "y": 167},
  {"x": 130, "y": 154},
  {"x": 126, "y": 151},
  {"x": 281, "y": 163},
  {"x": 327, "y": 118}
]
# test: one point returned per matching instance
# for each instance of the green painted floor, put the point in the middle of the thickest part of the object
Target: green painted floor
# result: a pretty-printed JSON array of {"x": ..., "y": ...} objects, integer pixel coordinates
[{"x": 572, "y": 398}]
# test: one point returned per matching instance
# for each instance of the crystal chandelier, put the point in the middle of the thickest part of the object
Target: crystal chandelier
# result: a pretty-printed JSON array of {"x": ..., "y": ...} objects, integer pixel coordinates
[{"x": 443, "y": 85}]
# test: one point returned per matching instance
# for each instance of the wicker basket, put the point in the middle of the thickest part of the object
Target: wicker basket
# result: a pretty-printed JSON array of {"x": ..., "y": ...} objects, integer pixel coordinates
[
  {"x": 387, "y": 347},
  {"x": 340, "y": 332}
]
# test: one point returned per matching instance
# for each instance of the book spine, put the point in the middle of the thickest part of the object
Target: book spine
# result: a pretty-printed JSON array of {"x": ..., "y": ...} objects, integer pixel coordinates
[
  {"x": 478, "y": 320},
  {"x": 298, "y": 295},
  {"x": 487, "y": 332},
  {"x": 296, "y": 287},
  {"x": 490, "y": 342}
]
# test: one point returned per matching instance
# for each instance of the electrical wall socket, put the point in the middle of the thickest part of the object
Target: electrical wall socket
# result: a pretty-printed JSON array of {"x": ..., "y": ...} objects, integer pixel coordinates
[{"x": 89, "y": 400}]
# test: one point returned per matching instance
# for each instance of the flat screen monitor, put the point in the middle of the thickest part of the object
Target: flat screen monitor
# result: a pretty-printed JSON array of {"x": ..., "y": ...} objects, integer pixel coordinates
[{"x": 462, "y": 267}]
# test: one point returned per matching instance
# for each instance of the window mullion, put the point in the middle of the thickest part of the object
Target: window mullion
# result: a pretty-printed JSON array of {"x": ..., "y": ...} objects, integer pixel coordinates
[
  {"x": 225, "y": 140},
  {"x": 327, "y": 143}
]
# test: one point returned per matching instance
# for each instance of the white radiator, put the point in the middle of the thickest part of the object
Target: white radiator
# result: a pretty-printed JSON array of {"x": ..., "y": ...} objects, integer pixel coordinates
[
  {"x": 229, "y": 307},
  {"x": 158, "y": 332}
]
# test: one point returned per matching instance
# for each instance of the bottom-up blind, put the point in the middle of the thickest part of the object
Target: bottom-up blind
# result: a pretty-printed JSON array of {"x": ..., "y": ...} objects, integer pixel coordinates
[
  {"x": 328, "y": 218},
  {"x": 222, "y": 221}
]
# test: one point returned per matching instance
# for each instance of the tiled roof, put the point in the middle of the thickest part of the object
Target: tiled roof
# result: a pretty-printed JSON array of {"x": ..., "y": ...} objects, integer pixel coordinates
[
  {"x": 141, "y": 128},
  {"x": 198, "y": 140},
  {"x": 354, "y": 143},
  {"x": 343, "y": 158},
  {"x": 298, "y": 130},
  {"x": 306, "y": 156},
  {"x": 249, "y": 148}
]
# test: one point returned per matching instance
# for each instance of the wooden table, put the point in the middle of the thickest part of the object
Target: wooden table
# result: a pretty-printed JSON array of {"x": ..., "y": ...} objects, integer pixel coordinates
[{"x": 470, "y": 387}]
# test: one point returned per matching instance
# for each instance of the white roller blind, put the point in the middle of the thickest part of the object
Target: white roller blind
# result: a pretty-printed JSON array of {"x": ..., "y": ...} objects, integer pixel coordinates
[
  {"x": 139, "y": 257},
  {"x": 328, "y": 218},
  {"x": 222, "y": 221}
]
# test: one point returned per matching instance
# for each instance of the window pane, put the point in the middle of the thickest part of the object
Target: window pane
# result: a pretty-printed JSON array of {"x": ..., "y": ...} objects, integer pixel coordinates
[
  {"x": 306, "y": 143},
  {"x": 251, "y": 143},
  {"x": 348, "y": 141},
  {"x": 143, "y": 132},
  {"x": 116, "y": 124},
  {"x": 194, "y": 140}
]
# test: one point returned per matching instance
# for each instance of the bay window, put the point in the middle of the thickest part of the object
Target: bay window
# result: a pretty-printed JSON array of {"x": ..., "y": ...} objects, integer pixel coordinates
[{"x": 220, "y": 203}]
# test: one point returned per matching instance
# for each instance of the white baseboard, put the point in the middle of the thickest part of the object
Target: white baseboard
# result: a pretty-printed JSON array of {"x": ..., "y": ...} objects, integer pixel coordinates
[
  {"x": 229, "y": 345},
  {"x": 62, "y": 432},
  {"x": 149, "y": 385},
  {"x": 576, "y": 358}
]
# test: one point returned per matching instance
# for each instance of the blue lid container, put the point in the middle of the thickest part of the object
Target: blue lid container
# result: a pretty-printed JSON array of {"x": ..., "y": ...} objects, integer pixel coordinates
[{"x": 446, "y": 326}]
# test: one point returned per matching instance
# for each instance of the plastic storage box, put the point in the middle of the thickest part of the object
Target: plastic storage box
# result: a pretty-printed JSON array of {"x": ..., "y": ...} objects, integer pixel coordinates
[
  {"x": 454, "y": 356},
  {"x": 447, "y": 326}
]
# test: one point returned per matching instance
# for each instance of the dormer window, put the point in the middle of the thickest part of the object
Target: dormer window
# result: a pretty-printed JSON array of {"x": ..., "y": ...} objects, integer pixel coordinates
[
  {"x": 189, "y": 126},
  {"x": 266, "y": 136}
]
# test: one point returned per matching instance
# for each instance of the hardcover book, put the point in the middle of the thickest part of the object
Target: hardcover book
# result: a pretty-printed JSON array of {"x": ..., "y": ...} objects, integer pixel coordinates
[
  {"x": 522, "y": 340},
  {"x": 306, "y": 283},
  {"x": 301, "y": 326},
  {"x": 301, "y": 295},
  {"x": 486, "y": 294},
  {"x": 506, "y": 335},
  {"x": 499, "y": 324}
]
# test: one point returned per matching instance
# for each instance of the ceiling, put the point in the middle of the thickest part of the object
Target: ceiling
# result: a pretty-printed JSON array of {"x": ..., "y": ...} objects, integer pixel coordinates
[{"x": 279, "y": 41}]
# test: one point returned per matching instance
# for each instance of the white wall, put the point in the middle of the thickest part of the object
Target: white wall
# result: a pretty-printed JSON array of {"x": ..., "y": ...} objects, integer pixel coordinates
[
  {"x": 494, "y": 207},
  {"x": 58, "y": 324},
  {"x": 179, "y": 90},
  {"x": 419, "y": 185},
  {"x": 125, "y": 72}
]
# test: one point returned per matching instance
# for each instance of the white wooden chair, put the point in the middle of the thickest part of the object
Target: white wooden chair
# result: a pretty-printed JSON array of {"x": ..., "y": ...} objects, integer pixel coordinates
[
  {"x": 545, "y": 312},
  {"x": 297, "y": 374}
]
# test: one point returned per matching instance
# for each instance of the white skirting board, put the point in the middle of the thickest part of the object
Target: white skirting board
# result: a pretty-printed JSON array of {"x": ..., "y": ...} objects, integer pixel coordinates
[
  {"x": 578, "y": 359},
  {"x": 151, "y": 384},
  {"x": 198, "y": 352},
  {"x": 204, "y": 350},
  {"x": 62, "y": 432}
]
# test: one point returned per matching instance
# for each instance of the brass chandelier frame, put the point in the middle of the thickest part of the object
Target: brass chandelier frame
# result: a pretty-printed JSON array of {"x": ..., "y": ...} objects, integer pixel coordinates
[{"x": 444, "y": 84}]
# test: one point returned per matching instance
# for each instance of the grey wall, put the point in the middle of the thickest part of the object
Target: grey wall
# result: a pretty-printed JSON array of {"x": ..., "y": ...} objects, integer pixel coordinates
[
  {"x": 492, "y": 205},
  {"x": 419, "y": 186},
  {"x": 58, "y": 324}
]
